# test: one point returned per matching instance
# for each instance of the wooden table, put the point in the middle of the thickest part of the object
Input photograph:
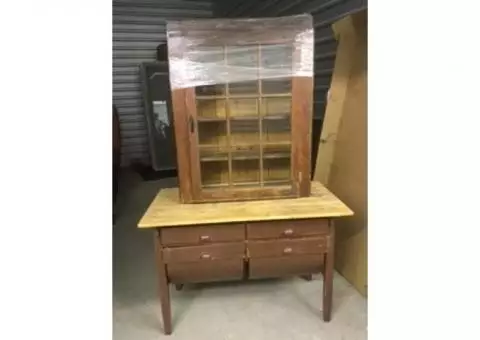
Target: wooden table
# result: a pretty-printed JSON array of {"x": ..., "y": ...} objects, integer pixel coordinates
[{"x": 243, "y": 240}]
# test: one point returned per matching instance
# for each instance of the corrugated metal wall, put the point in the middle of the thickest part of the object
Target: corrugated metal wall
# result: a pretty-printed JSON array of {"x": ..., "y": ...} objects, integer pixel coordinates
[
  {"x": 324, "y": 12},
  {"x": 138, "y": 27}
]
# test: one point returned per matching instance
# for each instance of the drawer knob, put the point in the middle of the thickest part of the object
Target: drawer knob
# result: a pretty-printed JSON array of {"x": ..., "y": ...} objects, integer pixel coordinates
[
  {"x": 287, "y": 250},
  {"x": 204, "y": 238},
  {"x": 288, "y": 232},
  {"x": 205, "y": 256}
]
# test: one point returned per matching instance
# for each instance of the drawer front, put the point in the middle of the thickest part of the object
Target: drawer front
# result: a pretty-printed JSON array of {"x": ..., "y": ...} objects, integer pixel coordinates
[
  {"x": 206, "y": 253},
  {"x": 285, "y": 266},
  {"x": 207, "y": 271},
  {"x": 292, "y": 247},
  {"x": 202, "y": 234},
  {"x": 287, "y": 229}
]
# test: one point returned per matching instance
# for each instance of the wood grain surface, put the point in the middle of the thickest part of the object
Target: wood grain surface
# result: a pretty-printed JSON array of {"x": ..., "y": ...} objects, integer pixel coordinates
[{"x": 167, "y": 211}]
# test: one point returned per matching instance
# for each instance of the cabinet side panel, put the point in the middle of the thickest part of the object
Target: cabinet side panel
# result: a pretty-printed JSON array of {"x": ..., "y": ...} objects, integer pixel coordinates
[
  {"x": 192, "y": 132},
  {"x": 302, "y": 95},
  {"x": 182, "y": 141}
]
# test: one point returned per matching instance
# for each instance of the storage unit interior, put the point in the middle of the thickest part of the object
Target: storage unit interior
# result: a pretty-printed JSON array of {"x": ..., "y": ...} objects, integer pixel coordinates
[{"x": 244, "y": 130}]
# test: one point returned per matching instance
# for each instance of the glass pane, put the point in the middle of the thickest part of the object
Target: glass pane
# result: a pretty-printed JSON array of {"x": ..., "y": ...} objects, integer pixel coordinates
[
  {"x": 278, "y": 150},
  {"x": 214, "y": 174},
  {"x": 276, "y": 61},
  {"x": 277, "y": 58},
  {"x": 207, "y": 54},
  {"x": 243, "y": 64},
  {"x": 213, "y": 153},
  {"x": 276, "y": 86},
  {"x": 246, "y": 172},
  {"x": 276, "y": 171},
  {"x": 276, "y": 107},
  {"x": 276, "y": 131},
  {"x": 244, "y": 88},
  {"x": 243, "y": 108},
  {"x": 211, "y": 90},
  {"x": 240, "y": 152},
  {"x": 212, "y": 134},
  {"x": 244, "y": 133},
  {"x": 243, "y": 56},
  {"x": 276, "y": 163},
  {"x": 211, "y": 108},
  {"x": 204, "y": 55}
]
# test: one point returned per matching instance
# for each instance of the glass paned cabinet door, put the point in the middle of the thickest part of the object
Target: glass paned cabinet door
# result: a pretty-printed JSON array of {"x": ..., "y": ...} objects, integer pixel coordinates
[{"x": 244, "y": 127}]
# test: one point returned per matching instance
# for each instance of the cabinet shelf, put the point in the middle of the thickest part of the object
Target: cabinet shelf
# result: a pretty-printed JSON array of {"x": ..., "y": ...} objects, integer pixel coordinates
[
  {"x": 246, "y": 96},
  {"x": 248, "y": 184},
  {"x": 216, "y": 153},
  {"x": 276, "y": 155},
  {"x": 277, "y": 116},
  {"x": 245, "y": 156},
  {"x": 211, "y": 119},
  {"x": 242, "y": 118},
  {"x": 246, "y": 146}
]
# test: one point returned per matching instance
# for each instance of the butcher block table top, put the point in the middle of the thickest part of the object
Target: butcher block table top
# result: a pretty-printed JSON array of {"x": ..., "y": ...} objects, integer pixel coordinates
[{"x": 167, "y": 211}]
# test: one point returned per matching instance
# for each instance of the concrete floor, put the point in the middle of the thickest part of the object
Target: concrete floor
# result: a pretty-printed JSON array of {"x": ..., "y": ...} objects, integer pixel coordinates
[{"x": 267, "y": 309}]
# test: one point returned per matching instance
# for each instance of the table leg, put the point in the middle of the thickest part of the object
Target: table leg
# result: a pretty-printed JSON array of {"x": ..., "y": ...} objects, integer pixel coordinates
[
  {"x": 328, "y": 274},
  {"x": 164, "y": 290}
]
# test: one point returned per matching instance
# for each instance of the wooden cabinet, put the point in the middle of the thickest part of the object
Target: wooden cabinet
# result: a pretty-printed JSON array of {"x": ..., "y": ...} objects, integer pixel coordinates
[
  {"x": 242, "y": 102},
  {"x": 243, "y": 240}
]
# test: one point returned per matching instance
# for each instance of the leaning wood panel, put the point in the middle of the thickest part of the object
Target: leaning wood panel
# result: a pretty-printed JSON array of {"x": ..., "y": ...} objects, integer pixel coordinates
[
  {"x": 335, "y": 99},
  {"x": 342, "y": 157}
]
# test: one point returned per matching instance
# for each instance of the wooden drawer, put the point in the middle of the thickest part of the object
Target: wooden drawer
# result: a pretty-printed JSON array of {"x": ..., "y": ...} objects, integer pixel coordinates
[
  {"x": 202, "y": 234},
  {"x": 205, "y": 271},
  {"x": 292, "y": 247},
  {"x": 287, "y": 229},
  {"x": 205, "y": 253},
  {"x": 285, "y": 266}
]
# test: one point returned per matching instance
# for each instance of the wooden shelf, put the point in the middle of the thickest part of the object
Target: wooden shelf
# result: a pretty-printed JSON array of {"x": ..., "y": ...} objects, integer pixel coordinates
[
  {"x": 271, "y": 146},
  {"x": 277, "y": 116},
  {"x": 245, "y": 96},
  {"x": 214, "y": 153},
  {"x": 255, "y": 118},
  {"x": 214, "y": 185},
  {"x": 277, "y": 182},
  {"x": 214, "y": 158},
  {"x": 201, "y": 119},
  {"x": 275, "y": 155},
  {"x": 242, "y": 118},
  {"x": 248, "y": 184},
  {"x": 268, "y": 146}
]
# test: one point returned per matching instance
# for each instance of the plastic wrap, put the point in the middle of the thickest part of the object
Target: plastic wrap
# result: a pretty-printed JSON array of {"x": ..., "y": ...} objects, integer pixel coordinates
[{"x": 220, "y": 51}]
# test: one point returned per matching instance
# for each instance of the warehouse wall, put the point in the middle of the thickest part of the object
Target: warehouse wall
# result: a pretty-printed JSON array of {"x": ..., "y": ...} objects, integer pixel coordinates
[
  {"x": 138, "y": 28},
  {"x": 325, "y": 13}
]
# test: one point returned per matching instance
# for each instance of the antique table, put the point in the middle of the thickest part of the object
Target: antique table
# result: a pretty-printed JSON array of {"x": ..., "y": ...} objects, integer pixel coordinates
[{"x": 243, "y": 240}]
